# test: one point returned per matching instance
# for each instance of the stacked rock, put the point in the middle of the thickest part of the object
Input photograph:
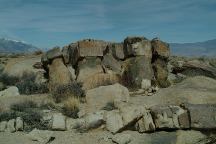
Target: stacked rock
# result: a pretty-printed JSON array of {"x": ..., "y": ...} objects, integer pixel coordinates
[{"x": 137, "y": 62}]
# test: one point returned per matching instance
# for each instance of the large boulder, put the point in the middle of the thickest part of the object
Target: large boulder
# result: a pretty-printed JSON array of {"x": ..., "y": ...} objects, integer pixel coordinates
[
  {"x": 110, "y": 64},
  {"x": 161, "y": 73},
  {"x": 160, "y": 49},
  {"x": 88, "y": 67},
  {"x": 51, "y": 54},
  {"x": 138, "y": 46},
  {"x": 98, "y": 98},
  {"x": 195, "y": 68},
  {"x": 194, "y": 90},
  {"x": 101, "y": 79},
  {"x": 202, "y": 116},
  {"x": 89, "y": 48},
  {"x": 135, "y": 70},
  {"x": 58, "y": 73},
  {"x": 11, "y": 91},
  {"x": 117, "y": 50}
]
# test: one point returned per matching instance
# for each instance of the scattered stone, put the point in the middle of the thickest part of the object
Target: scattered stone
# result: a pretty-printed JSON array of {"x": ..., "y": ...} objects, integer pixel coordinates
[
  {"x": 75, "y": 123},
  {"x": 114, "y": 122},
  {"x": 11, "y": 126},
  {"x": 58, "y": 122},
  {"x": 98, "y": 98},
  {"x": 11, "y": 91},
  {"x": 19, "y": 124},
  {"x": 122, "y": 138},
  {"x": 42, "y": 136},
  {"x": 3, "y": 126}
]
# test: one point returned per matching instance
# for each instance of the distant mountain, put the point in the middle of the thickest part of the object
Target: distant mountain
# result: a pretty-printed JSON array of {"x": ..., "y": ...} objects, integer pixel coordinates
[
  {"x": 13, "y": 46},
  {"x": 206, "y": 48}
]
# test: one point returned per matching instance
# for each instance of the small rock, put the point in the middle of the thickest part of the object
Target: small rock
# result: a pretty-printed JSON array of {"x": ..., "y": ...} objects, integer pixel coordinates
[
  {"x": 58, "y": 122},
  {"x": 3, "y": 126},
  {"x": 11, "y": 126},
  {"x": 11, "y": 91},
  {"x": 150, "y": 94},
  {"x": 121, "y": 138},
  {"x": 19, "y": 124},
  {"x": 42, "y": 136},
  {"x": 94, "y": 120},
  {"x": 145, "y": 124},
  {"x": 145, "y": 84}
]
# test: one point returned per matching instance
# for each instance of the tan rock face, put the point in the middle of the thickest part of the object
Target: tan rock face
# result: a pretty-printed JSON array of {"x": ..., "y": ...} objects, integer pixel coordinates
[
  {"x": 98, "y": 98},
  {"x": 101, "y": 79},
  {"x": 88, "y": 67},
  {"x": 160, "y": 49},
  {"x": 91, "y": 48},
  {"x": 58, "y": 73},
  {"x": 138, "y": 46}
]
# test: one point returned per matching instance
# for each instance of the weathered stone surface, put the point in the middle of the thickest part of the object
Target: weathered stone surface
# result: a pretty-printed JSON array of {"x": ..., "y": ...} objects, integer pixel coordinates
[
  {"x": 58, "y": 122},
  {"x": 88, "y": 67},
  {"x": 184, "y": 120},
  {"x": 53, "y": 53},
  {"x": 202, "y": 116},
  {"x": 11, "y": 126},
  {"x": 131, "y": 113},
  {"x": 72, "y": 72},
  {"x": 161, "y": 73},
  {"x": 11, "y": 91},
  {"x": 114, "y": 122},
  {"x": 58, "y": 73},
  {"x": 117, "y": 50},
  {"x": 19, "y": 124},
  {"x": 66, "y": 54},
  {"x": 42, "y": 136},
  {"x": 75, "y": 123},
  {"x": 94, "y": 120},
  {"x": 110, "y": 64},
  {"x": 195, "y": 68},
  {"x": 166, "y": 116},
  {"x": 122, "y": 138},
  {"x": 138, "y": 46},
  {"x": 101, "y": 79},
  {"x": 3, "y": 126},
  {"x": 145, "y": 124},
  {"x": 91, "y": 48},
  {"x": 160, "y": 49},
  {"x": 99, "y": 97},
  {"x": 135, "y": 70}
]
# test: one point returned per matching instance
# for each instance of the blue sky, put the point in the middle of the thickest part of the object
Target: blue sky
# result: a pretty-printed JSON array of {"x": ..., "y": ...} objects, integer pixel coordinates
[{"x": 47, "y": 23}]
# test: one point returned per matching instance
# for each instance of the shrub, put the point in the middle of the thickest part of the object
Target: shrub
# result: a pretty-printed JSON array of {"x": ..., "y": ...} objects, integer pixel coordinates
[
  {"x": 27, "y": 84},
  {"x": 8, "y": 79},
  {"x": 63, "y": 92},
  {"x": 30, "y": 113},
  {"x": 71, "y": 107}
]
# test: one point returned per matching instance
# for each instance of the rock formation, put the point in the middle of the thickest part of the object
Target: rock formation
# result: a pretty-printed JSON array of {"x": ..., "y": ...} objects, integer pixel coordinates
[{"x": 94, "y": 63}]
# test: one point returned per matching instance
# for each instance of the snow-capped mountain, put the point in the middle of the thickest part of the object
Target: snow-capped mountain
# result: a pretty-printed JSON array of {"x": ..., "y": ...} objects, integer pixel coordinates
[{"x": 15, "y": 46}]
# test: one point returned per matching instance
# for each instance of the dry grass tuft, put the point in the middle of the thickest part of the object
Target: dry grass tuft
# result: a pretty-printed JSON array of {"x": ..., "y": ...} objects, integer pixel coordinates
[{"x": 71, "y": 107}]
